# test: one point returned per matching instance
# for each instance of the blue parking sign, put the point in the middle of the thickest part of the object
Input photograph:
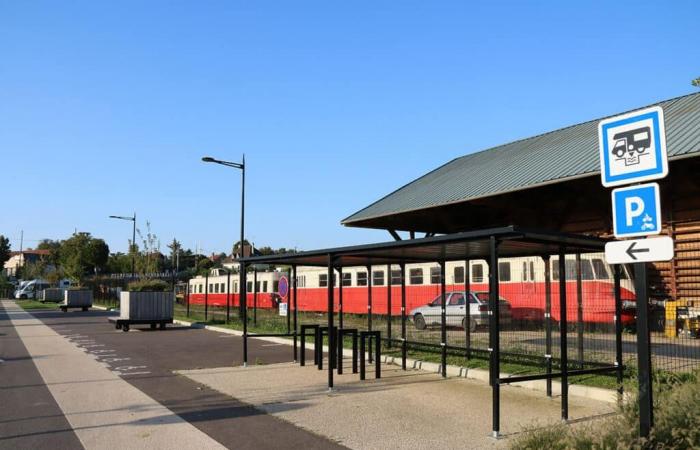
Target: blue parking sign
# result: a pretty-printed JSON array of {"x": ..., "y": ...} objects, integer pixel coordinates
[{"x": 636, "y": 210}]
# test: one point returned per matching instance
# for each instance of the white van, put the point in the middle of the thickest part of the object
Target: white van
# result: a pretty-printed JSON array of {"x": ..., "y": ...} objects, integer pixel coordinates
[{"x": 31, "y": 289}]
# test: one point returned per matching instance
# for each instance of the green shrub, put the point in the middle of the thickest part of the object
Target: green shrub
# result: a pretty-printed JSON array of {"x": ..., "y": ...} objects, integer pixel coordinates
[
  {"x": 676, "y": 424},
  {"x": 149, "y": 286}
]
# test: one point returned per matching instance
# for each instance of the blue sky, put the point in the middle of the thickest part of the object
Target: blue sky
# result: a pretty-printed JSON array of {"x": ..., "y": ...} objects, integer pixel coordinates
[{"x": 107, "y": 107}]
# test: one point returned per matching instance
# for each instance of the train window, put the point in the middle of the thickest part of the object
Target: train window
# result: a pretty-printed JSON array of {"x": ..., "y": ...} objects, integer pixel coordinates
[
  {"x": 458, "y": 274},
  {"x": 235, "y": 286},
  {"x": 257, "y": 286},
  {"x": 211, "y": 288},
  {"x": 396, "y": 277},
  {"x": 200, "y": 288},
  {"x": 525, "y": 278},
  {"x": 434, "y": 275},
  {"x": 362, "y": 278},
  {"x": 532, "y": 271},
  {"x": 416, "y": 276},
  {"x": 378, "y": 278},
  {"x": 264, "y": 289},
  {"x": 600, "y": 269},
  {"x": 347, "y": 279},
  {"x": 249, "y": 286},
  {"x": 216, "y": 288},
  {"x": 477, "y": 273},
  {"x": 323, "y": 280},
  {"x": 301, "y": 280},
  {"x": 504, "y": 271}
]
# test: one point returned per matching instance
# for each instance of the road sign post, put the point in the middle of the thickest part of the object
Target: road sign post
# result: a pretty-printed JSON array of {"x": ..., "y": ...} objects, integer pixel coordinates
[{"x": 633, "y": 150}]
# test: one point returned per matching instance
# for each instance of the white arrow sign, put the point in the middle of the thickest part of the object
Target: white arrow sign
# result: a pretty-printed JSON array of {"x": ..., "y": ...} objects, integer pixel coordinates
[{"x": 639, "y": 250}]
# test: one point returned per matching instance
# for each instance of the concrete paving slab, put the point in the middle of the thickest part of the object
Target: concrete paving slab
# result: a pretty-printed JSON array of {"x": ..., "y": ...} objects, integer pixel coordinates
[{"x": 411, "y": 409}]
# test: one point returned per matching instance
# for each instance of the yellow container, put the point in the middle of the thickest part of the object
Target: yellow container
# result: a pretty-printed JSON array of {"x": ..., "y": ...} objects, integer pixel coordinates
[{"x": 671, "y": 328}]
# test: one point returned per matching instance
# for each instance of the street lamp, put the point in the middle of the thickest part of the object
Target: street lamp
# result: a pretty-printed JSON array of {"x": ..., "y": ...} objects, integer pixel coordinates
[
  {"x": 240, "y": 166},
  {"x": 133, "y": 241},
  {"x": 242, "y": 304}
]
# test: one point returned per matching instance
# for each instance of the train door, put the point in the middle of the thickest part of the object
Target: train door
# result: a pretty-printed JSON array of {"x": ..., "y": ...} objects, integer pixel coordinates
[{"x": 527, "y": 308}]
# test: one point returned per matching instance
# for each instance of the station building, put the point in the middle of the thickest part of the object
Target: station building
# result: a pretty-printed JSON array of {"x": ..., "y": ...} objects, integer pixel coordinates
[{"x": 552, "y": 181}]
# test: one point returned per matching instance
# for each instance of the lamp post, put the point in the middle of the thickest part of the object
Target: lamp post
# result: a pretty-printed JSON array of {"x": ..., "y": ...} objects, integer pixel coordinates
[
  {"x": 240, "y": 166},
  {"x": 133, "y": 241}
]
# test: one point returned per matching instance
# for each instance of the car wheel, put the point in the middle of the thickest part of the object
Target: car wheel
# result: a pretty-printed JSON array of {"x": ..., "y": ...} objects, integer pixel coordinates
[
  {"x": 472, "y": 325},
  {"x": 419, "y": 322},
  {"x": 23, "y": 297}
]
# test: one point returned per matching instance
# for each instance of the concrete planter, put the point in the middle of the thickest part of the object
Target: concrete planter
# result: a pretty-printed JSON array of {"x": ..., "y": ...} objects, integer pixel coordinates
[
  {"x": 146, "y": 305},
  {"x": 76, "y": 299}
]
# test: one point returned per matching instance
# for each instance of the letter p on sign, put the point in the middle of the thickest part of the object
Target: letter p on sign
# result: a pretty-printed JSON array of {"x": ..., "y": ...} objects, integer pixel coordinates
[{"x": 634, "y": 207}]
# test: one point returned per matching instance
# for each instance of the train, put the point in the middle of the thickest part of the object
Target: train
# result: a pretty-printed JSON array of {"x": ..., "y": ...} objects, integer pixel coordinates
[{"x": 521, "y": 284}]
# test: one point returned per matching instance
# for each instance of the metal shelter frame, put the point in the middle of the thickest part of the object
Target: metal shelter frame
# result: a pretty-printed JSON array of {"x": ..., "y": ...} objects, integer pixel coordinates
[{"x": 490, "y": 245}]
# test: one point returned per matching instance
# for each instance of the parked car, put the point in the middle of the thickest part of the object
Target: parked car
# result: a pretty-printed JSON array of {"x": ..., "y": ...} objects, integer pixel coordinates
[
  {"x": 31, "y": 289},
  {"x": 456, "y": 312}
]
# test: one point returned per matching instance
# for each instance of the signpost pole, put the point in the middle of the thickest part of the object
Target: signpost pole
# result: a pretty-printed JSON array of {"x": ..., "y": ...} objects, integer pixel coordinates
[{"x": 646, "y": 418}]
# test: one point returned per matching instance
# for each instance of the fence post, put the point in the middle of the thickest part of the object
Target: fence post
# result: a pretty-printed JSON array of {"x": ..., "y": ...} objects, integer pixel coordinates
[
  {"x": 188, "y": 298},
  {"x": 618, "y": 328},
  {"x": 340, "y": 298},
  {"x": 646, "y": 404},
  {"x": 331, "y": 341},
  {"x": 294, "y": 290},
  {"x": 255, "y": 295},
  {"x": 228, "y": 296},
  {"x": 243, "y": 305},
  {"x": 206, "y": 297}
]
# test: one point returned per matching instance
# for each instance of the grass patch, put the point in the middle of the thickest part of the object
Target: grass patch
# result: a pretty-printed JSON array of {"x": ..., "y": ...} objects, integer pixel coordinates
[
  {"x": 35, "y": 304},
  {"x": 677, "y": 424}
]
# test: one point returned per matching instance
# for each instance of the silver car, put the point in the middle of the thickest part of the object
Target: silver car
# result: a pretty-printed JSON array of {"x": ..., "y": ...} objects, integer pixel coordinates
[{"x": 456, "y": 313}]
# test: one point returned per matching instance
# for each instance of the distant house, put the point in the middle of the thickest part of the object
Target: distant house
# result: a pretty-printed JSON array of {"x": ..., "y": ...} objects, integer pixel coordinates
[{"x": 19, "y": 259}]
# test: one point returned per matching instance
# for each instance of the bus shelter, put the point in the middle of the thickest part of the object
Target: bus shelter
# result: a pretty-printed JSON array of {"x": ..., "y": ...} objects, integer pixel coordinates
[{"x": 490, "y": 245}]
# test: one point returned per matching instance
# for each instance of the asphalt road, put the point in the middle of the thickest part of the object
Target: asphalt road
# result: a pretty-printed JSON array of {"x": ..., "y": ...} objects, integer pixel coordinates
[{"x": 146, "y": 359}]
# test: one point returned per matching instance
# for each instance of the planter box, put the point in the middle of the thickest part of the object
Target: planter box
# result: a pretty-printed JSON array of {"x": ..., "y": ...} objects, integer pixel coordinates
[
  {"x": 75, "y": 299},
  {"x": 52, "y": 295},
  {"x": 146, "y": 305}
]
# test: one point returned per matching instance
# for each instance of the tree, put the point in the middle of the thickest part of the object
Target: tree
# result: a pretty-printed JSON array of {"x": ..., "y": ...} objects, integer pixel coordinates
[
  {"x": 54, "y": 248},
  {"x": 696, "y": 82},
  {"x": 82, "y": 254},
  {"x": 4, "y": 250},
  {"x": 175, "y": 248}
]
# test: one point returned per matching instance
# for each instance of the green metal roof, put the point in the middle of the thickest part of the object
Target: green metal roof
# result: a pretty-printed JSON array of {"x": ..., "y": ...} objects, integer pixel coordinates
[{"x": 552, "y": 157}]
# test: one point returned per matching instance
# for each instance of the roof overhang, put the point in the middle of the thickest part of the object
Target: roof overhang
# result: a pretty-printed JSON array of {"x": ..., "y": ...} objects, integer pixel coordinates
[{"x": 513, "y": 242}]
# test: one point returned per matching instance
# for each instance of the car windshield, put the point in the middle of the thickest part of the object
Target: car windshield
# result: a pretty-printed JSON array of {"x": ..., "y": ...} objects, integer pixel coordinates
[{"x": 484, "y": 296}]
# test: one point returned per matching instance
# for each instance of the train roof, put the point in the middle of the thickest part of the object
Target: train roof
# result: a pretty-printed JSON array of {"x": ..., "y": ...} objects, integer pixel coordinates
[{"x": 513, "y": 241}]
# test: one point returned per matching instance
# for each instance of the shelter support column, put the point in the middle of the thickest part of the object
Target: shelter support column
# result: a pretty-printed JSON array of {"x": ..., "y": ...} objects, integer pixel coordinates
[
  {"x": 579, "y": 310},
  {"x": 404, "y": 344},
  {"x": 369, "y": 311},
  {"x": 244, "y": 309},
  {"x": 388, "y": 303},
  {"x": 467, "y": 312},
  {"x": 340, "y": 298},
  {"x": 331, "y": 337},
  {"x": 548, "y": 320},
  {"x": 293, "y": 282},
  {"x": 494, "y": 338},
  {"x": 443, "y": 321},
  {"x": 563, "y": 343}
]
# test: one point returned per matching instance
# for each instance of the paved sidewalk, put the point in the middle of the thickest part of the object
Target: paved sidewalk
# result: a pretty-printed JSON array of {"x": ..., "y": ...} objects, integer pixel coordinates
[
  {"x": 104, "y": 410},
  {"x": 412, "y": 409}
]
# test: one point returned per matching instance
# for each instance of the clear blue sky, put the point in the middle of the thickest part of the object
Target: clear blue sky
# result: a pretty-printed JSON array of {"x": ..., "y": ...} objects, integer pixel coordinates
[{"x": 107, "y": 107}]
